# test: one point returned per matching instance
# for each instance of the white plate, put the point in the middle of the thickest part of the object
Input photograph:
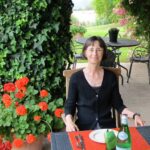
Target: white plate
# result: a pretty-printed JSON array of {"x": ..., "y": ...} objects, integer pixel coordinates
[{"x": 98, "y": 135}]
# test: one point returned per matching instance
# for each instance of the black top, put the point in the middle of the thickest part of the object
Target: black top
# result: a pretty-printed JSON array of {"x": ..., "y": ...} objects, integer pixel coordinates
[{"x": 92, "y": 107}]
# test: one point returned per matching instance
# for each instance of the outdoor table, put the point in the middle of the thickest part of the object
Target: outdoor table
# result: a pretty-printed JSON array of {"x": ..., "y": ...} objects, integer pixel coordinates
[
  {"x": 121, "y": 42},
  {"x": 140, "y": 137}
]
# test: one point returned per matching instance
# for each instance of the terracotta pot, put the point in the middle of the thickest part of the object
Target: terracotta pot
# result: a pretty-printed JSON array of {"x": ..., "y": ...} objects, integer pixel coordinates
[{"x": 34, "y": 146}]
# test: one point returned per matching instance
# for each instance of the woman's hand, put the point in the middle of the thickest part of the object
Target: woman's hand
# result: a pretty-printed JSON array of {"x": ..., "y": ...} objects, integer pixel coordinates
[
  {"x": 135, "y": 116},
  {"x": 138, "y": 121},
  {"x": 70, "y": 125}
]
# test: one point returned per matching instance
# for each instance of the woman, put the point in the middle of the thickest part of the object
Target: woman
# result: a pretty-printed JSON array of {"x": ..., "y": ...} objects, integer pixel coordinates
[{"x": 93, "y": 91}]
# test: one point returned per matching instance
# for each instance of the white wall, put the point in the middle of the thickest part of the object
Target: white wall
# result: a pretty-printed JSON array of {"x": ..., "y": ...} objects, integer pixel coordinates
[{"x": 87, "y": 17}]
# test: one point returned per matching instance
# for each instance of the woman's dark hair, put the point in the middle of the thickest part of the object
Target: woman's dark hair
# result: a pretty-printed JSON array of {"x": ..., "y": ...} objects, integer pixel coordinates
[{"x": 91, "y": 40}]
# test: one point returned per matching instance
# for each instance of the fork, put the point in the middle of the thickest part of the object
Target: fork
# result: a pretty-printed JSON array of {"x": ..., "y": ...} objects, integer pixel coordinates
[{"x": 80, "y": 142}]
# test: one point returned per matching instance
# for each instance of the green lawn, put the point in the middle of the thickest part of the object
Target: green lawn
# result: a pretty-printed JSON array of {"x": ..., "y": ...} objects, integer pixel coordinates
[{"x": 102, "y": 31}]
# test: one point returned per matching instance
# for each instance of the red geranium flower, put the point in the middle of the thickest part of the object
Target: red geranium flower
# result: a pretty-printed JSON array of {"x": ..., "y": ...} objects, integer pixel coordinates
[
  {"x": 37, "y": 118},
  {"x": 30, "y": 138},
  {"x": 49, "y": 137},
  {"x": 21, "y": 82},
  {"x": 6, "y": 99},
  {"x": 25, "y": 80},
  {"x": 43, "y": 106},
  {"x": 6, "y": 96},
  {"x": 21, "y": 110},
  {"x": 19, "y": 95},
  {"x": 17, "y": 143},
  {"x": 5, "y": 146},
  {"x": 43, "y": 93},
  {"x": 9, "y": 87},
  {"x": 58, "y": 112}
]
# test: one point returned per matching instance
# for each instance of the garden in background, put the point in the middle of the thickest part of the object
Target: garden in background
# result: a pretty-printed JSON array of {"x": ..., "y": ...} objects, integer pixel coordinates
[{"x": 107, "y": 15}]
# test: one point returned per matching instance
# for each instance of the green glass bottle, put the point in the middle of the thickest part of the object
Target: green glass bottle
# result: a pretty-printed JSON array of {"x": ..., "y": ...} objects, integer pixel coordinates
[
  {"x": 110, "y": 140},
  {"x": 124, "y": 137}
]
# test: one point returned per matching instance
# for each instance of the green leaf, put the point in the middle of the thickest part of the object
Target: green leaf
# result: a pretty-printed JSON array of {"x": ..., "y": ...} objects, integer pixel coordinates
[
  {"x": 52, "y": 106},
  {"x": 41, "y": 128},
  {"x": 59, "y": 102}
]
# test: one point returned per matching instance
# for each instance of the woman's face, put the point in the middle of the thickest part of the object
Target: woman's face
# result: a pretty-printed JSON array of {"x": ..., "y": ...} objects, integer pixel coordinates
[{"x": 94, "y": 53}]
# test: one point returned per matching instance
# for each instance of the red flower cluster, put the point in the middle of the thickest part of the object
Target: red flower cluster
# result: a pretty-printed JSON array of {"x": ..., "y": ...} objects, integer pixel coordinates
[
  {"x": 37, "y": 118},
  {"x": 17, "y": 143},
  {"x": 21, "y": 82},
  {"x": 5, "y": 146},
  {"x": 49, "y": 137},
  {"x": 15, "y": 96},
  {"x": 30, "y": 138},
  {"x": 43, "y": 106},
  {"x": 21, "y": 110},
  {"x": 6, "y": 99},
  {"x": 43, "y": 93},
  {"x": 9, "y": 87},
  {"x": 58, "y": 112},
  {"x": 19, "y": 95}
]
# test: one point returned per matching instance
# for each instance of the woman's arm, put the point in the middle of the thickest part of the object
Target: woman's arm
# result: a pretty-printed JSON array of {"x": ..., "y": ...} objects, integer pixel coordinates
[
  {"x": 70, "y": 105},
  {"x": 136, "y": 117},
  {"x": 70, "y": 125},
  {"x": 117, "y": 102}
]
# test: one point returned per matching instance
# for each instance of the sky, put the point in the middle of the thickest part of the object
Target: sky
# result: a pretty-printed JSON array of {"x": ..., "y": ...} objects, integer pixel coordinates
[{"x": 81, "y": 4}]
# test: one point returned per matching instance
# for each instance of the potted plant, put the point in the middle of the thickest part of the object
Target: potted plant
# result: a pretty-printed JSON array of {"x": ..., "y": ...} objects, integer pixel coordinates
[
  {"x": 77, "y": 30},
  {"x": 25, "y": 114},
  {"x": 113, "y": 34}
]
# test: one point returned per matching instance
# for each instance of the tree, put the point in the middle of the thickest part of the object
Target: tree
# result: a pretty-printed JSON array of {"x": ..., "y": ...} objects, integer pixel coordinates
[
  {"x": 104, "y": 8},
  {"x": 140, "y": 11}
]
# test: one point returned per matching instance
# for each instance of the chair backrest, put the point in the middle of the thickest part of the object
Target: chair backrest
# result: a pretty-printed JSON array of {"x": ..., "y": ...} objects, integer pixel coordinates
[
  {"x": 68, "y": 73},
  {"x": 110, "y": 59},
  {"x": 140, "y": 51}
]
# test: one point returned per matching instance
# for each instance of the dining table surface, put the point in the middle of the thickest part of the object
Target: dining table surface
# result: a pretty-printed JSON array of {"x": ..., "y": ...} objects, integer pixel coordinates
[
  {"x": 121, "y": 42},
  {"x": 140, "y": 137}
]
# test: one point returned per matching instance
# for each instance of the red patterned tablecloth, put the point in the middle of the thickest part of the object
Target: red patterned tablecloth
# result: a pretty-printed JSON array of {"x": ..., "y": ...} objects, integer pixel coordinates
[{"x": 138, "y": 142}]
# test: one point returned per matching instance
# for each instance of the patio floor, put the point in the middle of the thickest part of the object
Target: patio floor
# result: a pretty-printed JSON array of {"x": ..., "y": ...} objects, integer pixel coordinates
[{"x": 136, "y": 93}]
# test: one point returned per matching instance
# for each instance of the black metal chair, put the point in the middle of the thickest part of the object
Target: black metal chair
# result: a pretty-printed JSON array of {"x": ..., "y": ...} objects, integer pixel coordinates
[
  {"x": 140, "y": 55},
  {"x": 77, "y": 47},
  {"x": 110, "y": 61}
]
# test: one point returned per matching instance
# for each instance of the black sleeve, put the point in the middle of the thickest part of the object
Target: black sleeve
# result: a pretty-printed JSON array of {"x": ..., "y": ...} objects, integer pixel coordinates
[
  {"x": 117, "y": 101},
  {"x": 70, "y": 105}
]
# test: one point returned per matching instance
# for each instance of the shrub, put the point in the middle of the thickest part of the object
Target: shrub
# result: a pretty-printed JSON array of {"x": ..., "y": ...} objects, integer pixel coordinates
[
  {"x": 32, "y": 35},
  {"x": 140, "y": 11},
  {"x": 77, "y": 29}
]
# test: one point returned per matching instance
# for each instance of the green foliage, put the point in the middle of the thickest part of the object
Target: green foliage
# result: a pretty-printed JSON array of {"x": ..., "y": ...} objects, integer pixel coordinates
[
  {"x": 20, "y": 125},
  {"x": 104, "y": 10},
  {"x": 35, "y": 42},
  {"x": 140, "y": 10},
  {"x": 77, "y": 29}
]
